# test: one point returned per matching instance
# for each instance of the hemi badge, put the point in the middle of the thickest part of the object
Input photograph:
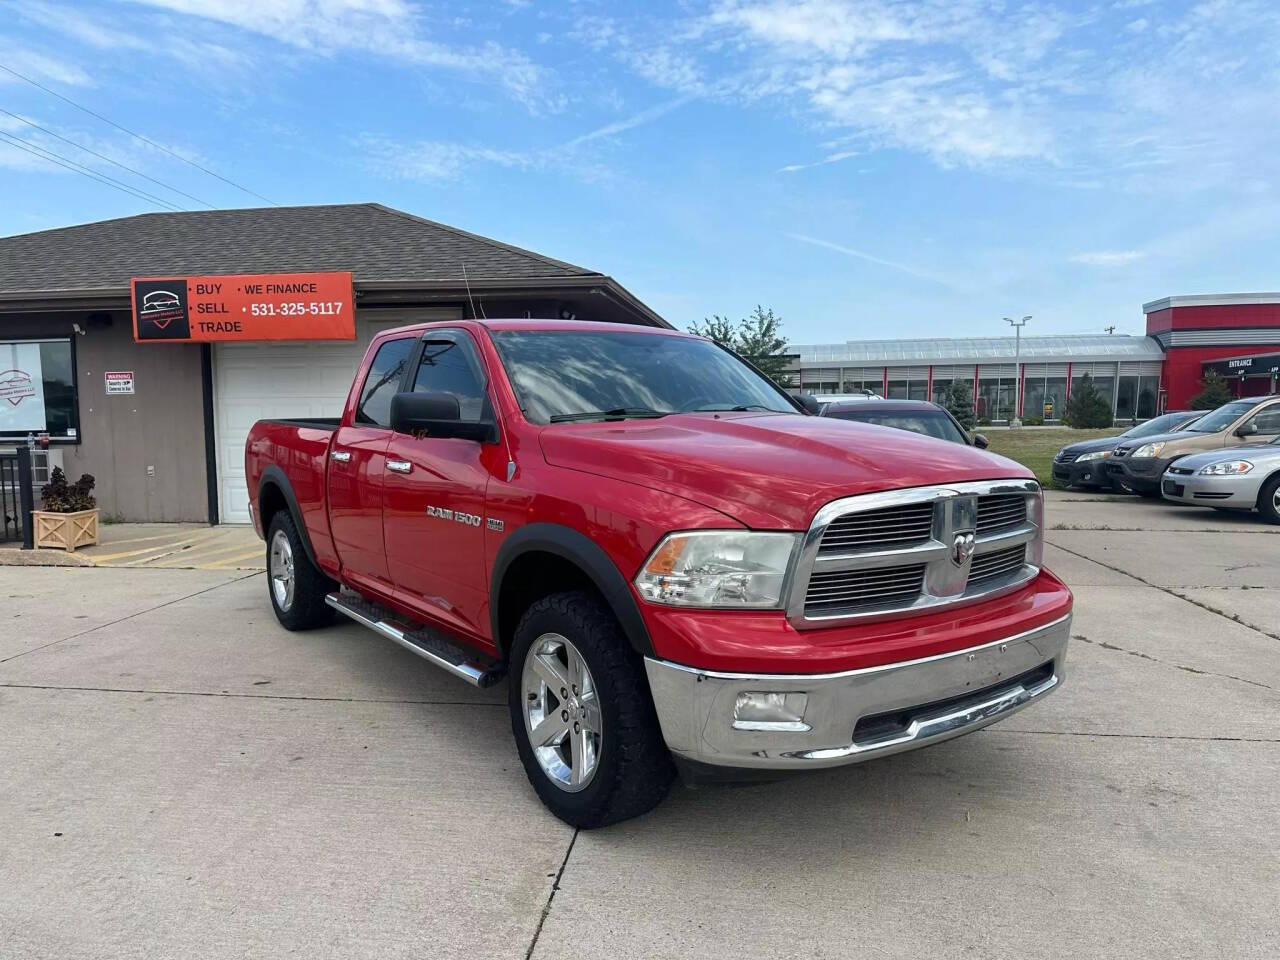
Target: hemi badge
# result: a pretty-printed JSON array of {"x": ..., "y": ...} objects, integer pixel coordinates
[{"x": 494, "y": 524}]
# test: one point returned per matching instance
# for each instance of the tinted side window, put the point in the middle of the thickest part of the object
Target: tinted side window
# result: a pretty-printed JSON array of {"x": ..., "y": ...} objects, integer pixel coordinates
[
  {"x": 383, "y": 382},
  {"x": 1267, "y": 420},
  {"x": 446, "y": 368}
]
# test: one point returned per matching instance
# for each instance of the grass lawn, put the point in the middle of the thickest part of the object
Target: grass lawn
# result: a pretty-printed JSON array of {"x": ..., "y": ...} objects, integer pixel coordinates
[{"x": 1034, "y": 447}]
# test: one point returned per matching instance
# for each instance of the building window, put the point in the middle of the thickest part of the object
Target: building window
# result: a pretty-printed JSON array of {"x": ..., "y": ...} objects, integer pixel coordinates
[
  {"x": 940, "y": 388},
  {"x": 997, "y": 398},
  {"x": 38, "y": 390}
]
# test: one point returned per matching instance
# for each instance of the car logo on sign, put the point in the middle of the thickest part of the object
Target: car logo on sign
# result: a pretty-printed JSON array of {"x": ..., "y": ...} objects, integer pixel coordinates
[
  {"x": 16, "y": 386},
  {"x": 160, "y": 307},
  {"x": 962, "y": 548}
]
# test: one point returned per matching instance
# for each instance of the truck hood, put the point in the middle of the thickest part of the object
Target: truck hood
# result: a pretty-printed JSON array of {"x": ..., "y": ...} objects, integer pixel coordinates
[{"x": 768, "y": 471}]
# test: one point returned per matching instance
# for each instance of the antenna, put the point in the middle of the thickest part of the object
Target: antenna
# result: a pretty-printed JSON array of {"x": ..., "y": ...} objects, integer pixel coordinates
[{"x": 473, "y": 303}]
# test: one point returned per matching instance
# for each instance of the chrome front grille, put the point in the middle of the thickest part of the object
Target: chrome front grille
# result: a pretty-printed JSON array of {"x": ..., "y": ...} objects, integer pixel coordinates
[
  {"x": 997, "y": 564},
  {"x": 856, "y": 589},
  {"x": 1000, "y": 511},
  {"x": 885, "y": 554},
  {"x": 884, "y": 529}
]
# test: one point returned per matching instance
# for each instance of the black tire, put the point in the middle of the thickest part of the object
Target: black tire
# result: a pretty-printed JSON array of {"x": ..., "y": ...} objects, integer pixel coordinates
[
  {"x": 1267, "y": 500},
  {"x": 306, "y": 610},
  {"x": 634, "y": 769}
]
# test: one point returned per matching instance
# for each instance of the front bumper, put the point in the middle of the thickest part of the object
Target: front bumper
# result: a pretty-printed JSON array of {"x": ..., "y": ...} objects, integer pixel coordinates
[
  {"x": 1076, "y": 473},
  {"x": 1222, "y": 491},
  {"x": 1140, "y": 474},
  {"x": 857, "y": 714}
]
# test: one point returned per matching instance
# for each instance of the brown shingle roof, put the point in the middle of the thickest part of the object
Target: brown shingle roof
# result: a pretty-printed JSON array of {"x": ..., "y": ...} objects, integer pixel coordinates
[{"x": 374, "y": 242}]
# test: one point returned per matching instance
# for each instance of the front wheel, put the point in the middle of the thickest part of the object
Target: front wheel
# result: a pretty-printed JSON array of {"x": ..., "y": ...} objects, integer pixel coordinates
[
  {"x": 1269, "y": 500},
  {"x": 581, "y": 714}
]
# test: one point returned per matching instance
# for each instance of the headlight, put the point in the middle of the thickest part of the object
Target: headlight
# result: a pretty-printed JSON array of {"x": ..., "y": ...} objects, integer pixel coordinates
[
  {"x": 1149, "y": 449},
  {"x": 718, "y": 568},
  {"x": 1096, "y": 455},
  {"x": 1225, "y": 468}
]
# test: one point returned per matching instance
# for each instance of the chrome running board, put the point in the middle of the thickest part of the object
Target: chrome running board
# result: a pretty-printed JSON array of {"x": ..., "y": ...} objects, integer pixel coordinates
[{"x": 430, "y": 644}]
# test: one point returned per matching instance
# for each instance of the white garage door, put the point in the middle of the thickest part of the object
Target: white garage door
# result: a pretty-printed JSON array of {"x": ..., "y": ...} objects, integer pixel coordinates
[{"x": 260, "y": 381}]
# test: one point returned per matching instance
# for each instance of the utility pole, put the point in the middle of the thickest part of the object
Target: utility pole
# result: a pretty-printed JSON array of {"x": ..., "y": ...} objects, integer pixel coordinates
[
  {"x": 1110, "y": 329},
  {"x": 1015, "y": 420}
]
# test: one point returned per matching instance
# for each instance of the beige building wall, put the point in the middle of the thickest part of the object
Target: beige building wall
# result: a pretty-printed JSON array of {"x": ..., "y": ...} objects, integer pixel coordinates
[{"x": 146, "y": 450}]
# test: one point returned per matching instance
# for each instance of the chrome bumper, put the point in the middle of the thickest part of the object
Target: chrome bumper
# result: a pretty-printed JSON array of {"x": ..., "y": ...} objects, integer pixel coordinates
[{"x": 902, "y": 705}]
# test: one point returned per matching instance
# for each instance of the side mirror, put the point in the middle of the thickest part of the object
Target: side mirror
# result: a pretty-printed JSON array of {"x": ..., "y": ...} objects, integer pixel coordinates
[
  {"x": 811, "y": 404},
  {"x": 437, "y": 416},
  {"x": 980, "y": 441},
  {"x": 1247, "y": 429}
]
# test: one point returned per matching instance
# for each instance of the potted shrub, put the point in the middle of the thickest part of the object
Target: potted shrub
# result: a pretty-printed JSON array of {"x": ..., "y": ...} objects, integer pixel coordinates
[{"x": 70, "y": 515}]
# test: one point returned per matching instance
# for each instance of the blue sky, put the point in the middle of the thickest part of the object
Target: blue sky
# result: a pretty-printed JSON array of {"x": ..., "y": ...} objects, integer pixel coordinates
[{"x": 867, "y": 169}]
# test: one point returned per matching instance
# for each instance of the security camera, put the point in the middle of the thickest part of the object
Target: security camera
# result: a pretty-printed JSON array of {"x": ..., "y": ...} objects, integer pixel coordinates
[{"x": 78, "y": 329}]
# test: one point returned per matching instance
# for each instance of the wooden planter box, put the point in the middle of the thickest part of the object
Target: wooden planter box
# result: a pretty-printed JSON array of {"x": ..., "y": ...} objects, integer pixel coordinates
[{"x": 65, "y": 530}]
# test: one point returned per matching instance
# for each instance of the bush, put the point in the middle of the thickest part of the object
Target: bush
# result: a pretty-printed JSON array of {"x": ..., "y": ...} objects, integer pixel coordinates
[
  {"x": 1215, "y": 392},
  {"x": 59, "y": 496},
  {"x": 1088, "y": 407},
  {"x": 1033, "y": 421},
  {"x": 958, "y": 400}
]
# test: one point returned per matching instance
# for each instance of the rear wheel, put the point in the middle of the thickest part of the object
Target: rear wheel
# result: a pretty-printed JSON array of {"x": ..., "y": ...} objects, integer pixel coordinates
[
  {"x": 581, "y": 714},
  {"x": 296, "y": 586},
  {"x": 1269, "y": 500}
]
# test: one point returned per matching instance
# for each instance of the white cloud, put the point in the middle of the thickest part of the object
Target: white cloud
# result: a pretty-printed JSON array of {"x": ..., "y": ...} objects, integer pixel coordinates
[
  {"x": 870, "y": 258},
  {"x": 1107, "y": 258},
  {"x": 432, "y": 160},
  {"x": 828, "y": 159},
  {"x": 41, "y": 67},
  {"x": 388, "y": 29},
  {"x": 628, "y": 123}
]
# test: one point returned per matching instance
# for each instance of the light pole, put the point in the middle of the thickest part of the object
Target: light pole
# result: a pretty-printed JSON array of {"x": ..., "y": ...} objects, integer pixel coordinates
[{"x": 1017, "y": 325}]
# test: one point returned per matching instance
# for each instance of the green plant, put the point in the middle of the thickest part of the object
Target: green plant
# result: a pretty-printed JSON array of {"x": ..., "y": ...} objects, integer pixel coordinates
[
  {"x": 1033, "y": 421},
  {"x": 1087, "y": 407},
  {"x": 757, "y": 338},
  {"x": 1214, "y": 394},
  {"x": 958, "y": 400},
  {"x": 58, "y": 496},
  {"x": 984, "y": 422}
]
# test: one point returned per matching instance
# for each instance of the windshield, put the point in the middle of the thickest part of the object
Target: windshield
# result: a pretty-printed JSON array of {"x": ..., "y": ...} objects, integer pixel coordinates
[
  {"x": 930, "y": 423},
  {"x": 1164, "y": 424},
  {"x": 570, "y": 375},
  {"x": 1221, "y": 418}
]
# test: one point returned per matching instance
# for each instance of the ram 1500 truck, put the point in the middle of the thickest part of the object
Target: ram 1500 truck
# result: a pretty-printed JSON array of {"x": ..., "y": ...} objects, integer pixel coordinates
[{"x": 677, "y": 569}]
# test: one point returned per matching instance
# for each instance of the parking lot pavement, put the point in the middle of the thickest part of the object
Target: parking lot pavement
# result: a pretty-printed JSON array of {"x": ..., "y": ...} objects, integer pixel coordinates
[{"x": 183, "y": 777}]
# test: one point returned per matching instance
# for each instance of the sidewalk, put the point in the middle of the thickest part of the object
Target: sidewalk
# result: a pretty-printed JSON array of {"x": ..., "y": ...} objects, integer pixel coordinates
[{"x": 186, "y": 546}]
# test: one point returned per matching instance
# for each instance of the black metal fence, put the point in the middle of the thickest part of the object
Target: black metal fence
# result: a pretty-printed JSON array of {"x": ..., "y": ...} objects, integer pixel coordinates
[{"x": 16, "y": 496}]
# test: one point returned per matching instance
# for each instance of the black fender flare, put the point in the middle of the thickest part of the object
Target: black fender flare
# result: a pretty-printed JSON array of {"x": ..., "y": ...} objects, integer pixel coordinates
[
  {"x": 587, "y": 556},
  {"x": 274, "y": 476}
]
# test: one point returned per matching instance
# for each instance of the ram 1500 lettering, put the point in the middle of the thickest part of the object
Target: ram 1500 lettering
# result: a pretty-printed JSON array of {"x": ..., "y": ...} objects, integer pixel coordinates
[{"x": 676, "y": 567}]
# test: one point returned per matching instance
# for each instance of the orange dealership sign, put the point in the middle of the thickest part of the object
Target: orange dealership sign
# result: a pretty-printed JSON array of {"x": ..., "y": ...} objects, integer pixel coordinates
[{"x": 259, "y": 306}]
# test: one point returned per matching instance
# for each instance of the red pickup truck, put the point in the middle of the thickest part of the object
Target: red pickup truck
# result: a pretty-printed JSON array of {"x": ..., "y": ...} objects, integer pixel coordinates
[{"x": 677, "y": 567}]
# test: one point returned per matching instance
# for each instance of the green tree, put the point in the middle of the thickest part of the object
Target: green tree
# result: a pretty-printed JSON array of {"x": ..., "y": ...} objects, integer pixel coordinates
[
  {"x": 1088, "y": 406},
  {"x": 757, "y": 338},
  {"x": 1215, "y": 392},
  {"x": 958, "y": 399},
  {"x": 717, "y": 328}
]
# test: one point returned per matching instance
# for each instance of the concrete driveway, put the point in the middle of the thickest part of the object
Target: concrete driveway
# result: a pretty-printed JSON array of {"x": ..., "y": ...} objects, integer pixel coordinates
[{"x": 181, "y": 777}]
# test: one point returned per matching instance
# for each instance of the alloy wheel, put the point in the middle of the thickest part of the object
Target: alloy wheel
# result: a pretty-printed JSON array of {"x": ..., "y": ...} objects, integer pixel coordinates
[
  {"x": 280, "y": 570},
  {"x": 561, "y": 712}
]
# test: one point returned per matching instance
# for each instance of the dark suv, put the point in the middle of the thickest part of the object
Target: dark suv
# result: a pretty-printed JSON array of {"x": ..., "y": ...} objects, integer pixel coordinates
[{"x": 918, "y": 416}]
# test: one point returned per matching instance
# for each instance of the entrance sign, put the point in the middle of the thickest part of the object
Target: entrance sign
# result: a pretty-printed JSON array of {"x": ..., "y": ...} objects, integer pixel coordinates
[
  {"x": 263, "y": 306},
  {"x": 119, "y": 382},
  {"x": 21, "y": 388}
]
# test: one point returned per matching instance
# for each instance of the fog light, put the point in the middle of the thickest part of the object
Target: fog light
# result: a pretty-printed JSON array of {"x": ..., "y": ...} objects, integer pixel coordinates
[{"x": 770, "y": 712}]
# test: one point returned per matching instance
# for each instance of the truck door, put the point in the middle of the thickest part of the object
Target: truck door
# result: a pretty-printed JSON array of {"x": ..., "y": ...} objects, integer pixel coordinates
[
  {"x": 434, "y": 502},
  {"x": 356, "y": 469}
]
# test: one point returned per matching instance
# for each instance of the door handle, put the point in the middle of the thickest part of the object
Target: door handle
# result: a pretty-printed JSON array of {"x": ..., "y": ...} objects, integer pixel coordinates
[
  {"x": 399, "y": 466},
  {"x": 342, "y": 456}
]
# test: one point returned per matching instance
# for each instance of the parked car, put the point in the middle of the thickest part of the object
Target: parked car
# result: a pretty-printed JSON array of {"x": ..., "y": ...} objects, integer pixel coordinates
[
  {"x": 673, "y": 565},
  {"x": 918, "y": 416},
  {"x": 1137, "y": 466},
  {"x": 1080, "y": 464},
  {"x": 1231, "y": 479}
]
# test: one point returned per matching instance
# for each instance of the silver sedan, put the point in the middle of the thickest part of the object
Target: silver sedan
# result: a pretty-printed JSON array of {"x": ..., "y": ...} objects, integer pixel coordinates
[{"x": 1237, "y": 478}]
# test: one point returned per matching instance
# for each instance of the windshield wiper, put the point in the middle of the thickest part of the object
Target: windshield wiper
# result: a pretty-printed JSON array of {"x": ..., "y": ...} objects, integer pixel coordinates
[
  {"x": 740, "y": 408},
  {"x": 618, "y": 413}
]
